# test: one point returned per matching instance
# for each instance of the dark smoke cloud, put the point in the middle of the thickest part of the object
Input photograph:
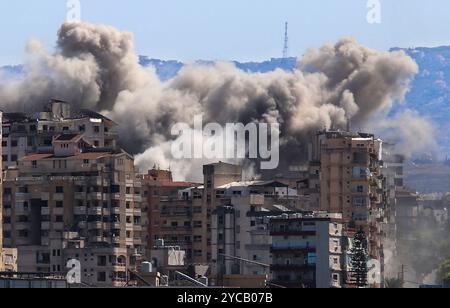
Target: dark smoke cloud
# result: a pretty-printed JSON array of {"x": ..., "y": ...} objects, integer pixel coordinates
[{"x": 95, "y": 66}]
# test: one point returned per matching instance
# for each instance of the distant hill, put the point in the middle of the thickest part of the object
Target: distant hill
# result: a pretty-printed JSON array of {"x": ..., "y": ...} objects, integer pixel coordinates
[
  {"x": 430, "y": 93},
  {"x": 169, "y": 69}
]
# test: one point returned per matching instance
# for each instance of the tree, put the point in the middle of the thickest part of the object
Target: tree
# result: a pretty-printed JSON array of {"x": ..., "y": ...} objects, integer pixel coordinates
[
  {"x": 359, "y": 259},
  {"x": 394, "y": 283},
  {"x": 444, "y": 273}
]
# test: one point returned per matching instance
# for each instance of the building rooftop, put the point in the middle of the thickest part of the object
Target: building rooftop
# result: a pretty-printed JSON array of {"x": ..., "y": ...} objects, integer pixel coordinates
[
  {"x": 253, "y": 184},
  {"x": 69, "y": 137}
]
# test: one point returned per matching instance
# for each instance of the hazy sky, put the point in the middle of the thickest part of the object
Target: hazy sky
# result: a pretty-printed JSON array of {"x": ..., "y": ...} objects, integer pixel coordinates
[{"x": 230, "y": 29}]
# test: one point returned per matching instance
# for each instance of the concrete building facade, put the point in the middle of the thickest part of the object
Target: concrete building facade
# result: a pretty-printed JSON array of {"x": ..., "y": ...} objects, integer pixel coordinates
[
  {"x": 308, "y": 250},
  {"x": 24, "y": 134},
  {"x": 92, "y": 193}
]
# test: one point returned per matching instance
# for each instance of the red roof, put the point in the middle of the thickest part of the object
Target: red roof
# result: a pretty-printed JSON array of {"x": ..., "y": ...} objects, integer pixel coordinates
[{"x": 36, "y": 157}]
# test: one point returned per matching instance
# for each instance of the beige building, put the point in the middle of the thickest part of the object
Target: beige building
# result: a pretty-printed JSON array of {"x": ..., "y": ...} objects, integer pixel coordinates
[
  {"x": 76, "y": 201},
  {"x": 24, "y": 134},
  {"x": 2, "y": 265},
  {"x": 240, "y": 236},
  {"x": 352, "y": 182}
]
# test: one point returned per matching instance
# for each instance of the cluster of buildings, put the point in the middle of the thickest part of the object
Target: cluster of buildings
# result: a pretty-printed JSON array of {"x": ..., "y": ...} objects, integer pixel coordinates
[{"x": 69, "y": 192}]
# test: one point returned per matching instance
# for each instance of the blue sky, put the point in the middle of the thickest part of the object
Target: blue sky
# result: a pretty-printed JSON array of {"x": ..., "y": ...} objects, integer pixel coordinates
[{"x": 230, "y": 29}]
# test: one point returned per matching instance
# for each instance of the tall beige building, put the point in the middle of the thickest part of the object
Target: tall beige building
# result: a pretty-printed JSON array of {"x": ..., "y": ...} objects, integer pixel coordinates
[
  {"x": 75, "y": 202},
  {"x": 1, "y": 202},
  {"x": 352, "y": 183}
]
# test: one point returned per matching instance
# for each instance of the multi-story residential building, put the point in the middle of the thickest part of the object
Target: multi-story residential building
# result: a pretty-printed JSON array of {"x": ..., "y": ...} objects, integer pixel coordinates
[
  {"x": 24, "y": 134},
  {"x": 308, "y": 250},
  {"x": 240, "y": 236},
  {"x": 215, "y": 176},
  {"x": 94, "y": 194},
  {"x": 2, "y": 265},
  {"x": 173, "y": 213},
  {"x": 352, "y": 183}
]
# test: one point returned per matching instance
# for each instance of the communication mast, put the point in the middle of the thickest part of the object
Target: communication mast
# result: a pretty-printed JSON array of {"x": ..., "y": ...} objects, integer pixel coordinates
[{"x": 286, "y": 41}]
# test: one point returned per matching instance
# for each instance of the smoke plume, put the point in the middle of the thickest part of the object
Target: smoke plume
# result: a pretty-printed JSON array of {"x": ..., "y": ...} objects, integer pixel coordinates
[{"x": 95, "y": 66}]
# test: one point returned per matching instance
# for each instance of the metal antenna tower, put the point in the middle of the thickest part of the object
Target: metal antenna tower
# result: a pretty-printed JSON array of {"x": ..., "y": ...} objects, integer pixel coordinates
[{"x": 286, "y": 41}]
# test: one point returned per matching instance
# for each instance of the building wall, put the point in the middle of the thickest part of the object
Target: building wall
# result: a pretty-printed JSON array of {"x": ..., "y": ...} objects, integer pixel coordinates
[
  {"x": 2, "y": 265},
  {"x": 97, "y": 198}
]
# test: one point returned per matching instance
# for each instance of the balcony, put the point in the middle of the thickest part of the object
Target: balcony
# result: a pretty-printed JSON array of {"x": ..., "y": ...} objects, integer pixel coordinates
[
  {"x": 137, "y": 228},
  {"x": 115, "y": 210},
  {"x": 97, "y": 225},
  {"x": 95, "y": 211},
  {"x": 80, "y": 196},
  {"x": 115, "y": 225},
  {"x": 115, "y": 196},
  {"x": 97, "y": 239},
  {"x": 129, "y": 227},
  {"x": 59, "y": 211},
  {"x": 45, "y": 196},
  {"x": 80, "y": 210},
  {"x": 293, "y": 249},
  {"x": 21, "y": 210},
  {"x": 45, "y": 211},
  {"x": 292, "y": 267},
  {"x": 292, "y": 232},
  {"x": 45, "y": 225},
  {"x": 22, "y": 197},
  {"x": 137, "y": 241},
  {"x": 96, "y": 196},
  {"x": 58, "y": 197},
  {"x": 58, "y": 226},
  {"x": 137, "y": 212}
]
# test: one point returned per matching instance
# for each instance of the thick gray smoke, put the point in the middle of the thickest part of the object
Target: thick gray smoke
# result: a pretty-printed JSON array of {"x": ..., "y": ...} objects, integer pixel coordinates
[{"x": 96, "y": 67}]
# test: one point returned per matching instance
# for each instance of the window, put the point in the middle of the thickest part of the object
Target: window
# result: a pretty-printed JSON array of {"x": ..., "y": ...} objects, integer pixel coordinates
[
  {"x": 59, "y": 204},
  {"x": 96, "y": 129},
  {"x": 59, "y": 189},
  {"x": 5, "y": 158},
  {"x": 101, "y": 260},
  {"x": 101, "y": 276},
  {"x": 59, "y": 218},
  {"x": 360, "y": 189},
  {"x": 34, "y": 164},
  {"x": 4, "y": 143},
  {"x": 86, "y": 161},
  {"x": 360, "y": 201},
  {"x": 198, "y": 224},
  {"x": 13, "y": 158},
  {"x": 14, "y": 143},
  {"x": 32, "y": 128}
]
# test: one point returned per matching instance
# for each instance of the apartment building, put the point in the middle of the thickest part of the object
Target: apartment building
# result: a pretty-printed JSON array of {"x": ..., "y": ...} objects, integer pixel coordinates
[
  {"x": 240, "y": 237},
  {"x": 174, "y": 213},
  {"x": 308, "y": 250},
  {"x": 352, "y": 182},
  {"x": 92, "y": 194},
  {"x": 24, "y": 134},
  {"x": 2, "y": 265}
]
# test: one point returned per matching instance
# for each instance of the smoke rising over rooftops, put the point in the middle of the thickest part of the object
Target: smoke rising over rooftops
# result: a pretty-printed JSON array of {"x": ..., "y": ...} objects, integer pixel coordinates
[{"x": 96, "y": 67}]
